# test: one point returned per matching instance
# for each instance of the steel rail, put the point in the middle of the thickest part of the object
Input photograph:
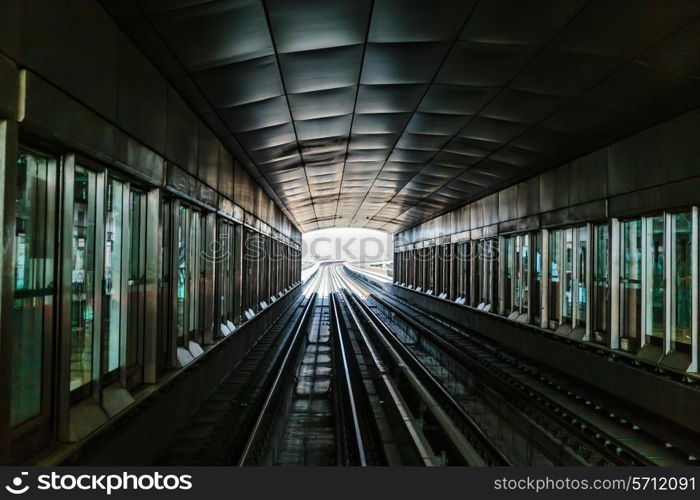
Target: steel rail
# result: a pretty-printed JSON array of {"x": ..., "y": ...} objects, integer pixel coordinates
[
  {"x": 474, "y": 447},
  {"x": 598, "y": 439},
  {"x": 347, "y": 382},
  {"x": 420, "y": 443},
  {"x": 277, "y": 383}
]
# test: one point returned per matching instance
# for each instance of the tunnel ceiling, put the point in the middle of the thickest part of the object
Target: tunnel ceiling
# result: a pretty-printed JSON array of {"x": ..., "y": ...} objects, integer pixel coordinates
[{"x": 383, "y": 114}]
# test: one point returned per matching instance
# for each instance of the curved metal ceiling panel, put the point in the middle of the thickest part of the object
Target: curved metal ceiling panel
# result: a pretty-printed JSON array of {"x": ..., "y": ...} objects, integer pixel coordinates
[{"x": 381, "y": 113}]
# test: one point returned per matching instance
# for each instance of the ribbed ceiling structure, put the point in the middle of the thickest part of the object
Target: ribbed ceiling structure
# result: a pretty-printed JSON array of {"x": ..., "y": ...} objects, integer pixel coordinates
[{"x": 384, "y": 113}]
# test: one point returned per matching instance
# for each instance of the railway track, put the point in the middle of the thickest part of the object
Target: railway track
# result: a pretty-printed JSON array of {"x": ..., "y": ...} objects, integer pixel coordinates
[
  {"x": 443, "y": 433},
  {"x": 567, "y": 427},
  {"x": 352, "y": 376}
]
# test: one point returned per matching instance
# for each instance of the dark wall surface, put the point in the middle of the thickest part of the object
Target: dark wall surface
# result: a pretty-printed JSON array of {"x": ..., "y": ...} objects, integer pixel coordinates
[
  {"x": 657, "y": 169},
  {"x": 90, "y": 89}
]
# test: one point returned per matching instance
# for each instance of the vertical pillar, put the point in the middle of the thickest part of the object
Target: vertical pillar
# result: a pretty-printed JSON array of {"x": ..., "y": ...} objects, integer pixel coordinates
[
  {"x": 615, "y": 256},
  {"x": 503, "y": 262},
  {"x": 211, "y": 258},
  {"x": 100, "y": 194},
  {"x": 8, "y": 183},
  {"x": 544, "y": 280},
  {"x": 670, "y": 283},
  {"x": 694, "y": 268},
  {"x": 590, "y": 248},
  {"x": 154, "y": 234},
  {"x": 63, "y": 413}
]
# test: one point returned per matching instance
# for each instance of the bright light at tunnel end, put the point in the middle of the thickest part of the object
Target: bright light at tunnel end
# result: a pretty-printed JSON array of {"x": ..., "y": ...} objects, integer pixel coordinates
[{"x": 347, "y": 244}]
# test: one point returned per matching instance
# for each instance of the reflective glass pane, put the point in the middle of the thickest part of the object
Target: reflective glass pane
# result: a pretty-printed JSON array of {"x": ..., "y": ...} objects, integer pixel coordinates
[
  {"x": 681, "y": 330},
  {"x": 193, "y": 271},
  {"x": 581, "y": 274},
  {"x": 655, "y": 270},
  {"x": 537, "y": 292},
  {"x": 113, "y": 274},
  {"x": 630, "y": 293},
  {"x": 82, "y": 278},
  {"x": 137, "y": 278},
  {"x": 554, "y": 278},
  {"x": 600, "y": 277},
  {"x": 32, "y": 305},
  {"x": 183, "y": 214},
  {"x": 524, "y": 271},
  {"x": 510, "y": 285},
  {"x": 164, "y": 294},
  {"x": 568, "y": 273}
]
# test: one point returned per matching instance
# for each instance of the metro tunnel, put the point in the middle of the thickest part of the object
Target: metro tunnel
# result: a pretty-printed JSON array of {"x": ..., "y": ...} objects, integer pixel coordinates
[{"x": 537, "y": 164}]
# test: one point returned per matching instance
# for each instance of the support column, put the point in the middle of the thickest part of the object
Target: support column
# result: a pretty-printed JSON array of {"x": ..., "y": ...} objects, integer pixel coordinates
[
  {"x": 8, "y": 183},
  {"x": 615, "y": 257}
]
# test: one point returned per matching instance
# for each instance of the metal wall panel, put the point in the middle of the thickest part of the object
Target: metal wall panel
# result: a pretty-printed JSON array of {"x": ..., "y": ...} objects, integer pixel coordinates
[
  {"x": 136, "y": 158},
  {"x": 634, "y": 163},
  {"x": 679, "y": 147},
  {"x": 554, "y": 185},
  {"x": 476, "y": 214},
  {"x": 507, "y": 203},
  {"x": 225, "y": 181},
  {"x": 680, "y": 194},
  {"x": 207, "y": 155},
  {"x": 243, "y": 188},
  {"x": 78, "y": 53},
  {"x": 588, "y": 178},
  {"x": 591, "y": 211},
  {"x": 142, "y": 97},
  {"x": 75, "y": 126},
  {"x": 181, "y": 142},
  {"x": 529, "y": 197},
  {"x": 106, "y": 84},
  {"x": 10, "y": 34},
  {"x": 635, "y": 203},
  {"x": 490, "y": 209},
  {"x": 207, "y": 194},
  {"x": 8, "y": 88},
  {"x": 555, "y": 218},
  {"x": 597, "y": 186},
  {"x": 529, "y": 223},
  {"x": 181, "y": 181}
]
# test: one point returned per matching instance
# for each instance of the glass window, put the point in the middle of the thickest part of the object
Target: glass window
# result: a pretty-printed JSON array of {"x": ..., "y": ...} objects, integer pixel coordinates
[
  {"x": 462, "y": 269},
  {"x": 113, "y": 275},
  {"x": 165, "y": 292},
  {"x": 182, "y": 277},
  {"x": 581, "y": 275},
  {"x": 430, "y": 270},
  {"x": 630, "y": 282},
  {"x": 601, "y": 281},
  {"x": 537, "y": 292},
  {"x": 194, "y": 270},
  {"x": 568, "y": 274},
  {"x": 137, "y": 280},
  {"x": 655, "y": 285},
  {"x": 33, "y": 301},
  {"x": 490, "y": 270},
  {"x": 509, "y": 287},
  {"x": 524, "y": 275},
  {"x": 554, "y": 279},
  {"x": 681, "y": 298},
  {"x": 236, "y": 270},
  {"x": 82, "y": 279},
  {"x": 250, "y": 258},
  {"x": 224, "y": 265}
]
